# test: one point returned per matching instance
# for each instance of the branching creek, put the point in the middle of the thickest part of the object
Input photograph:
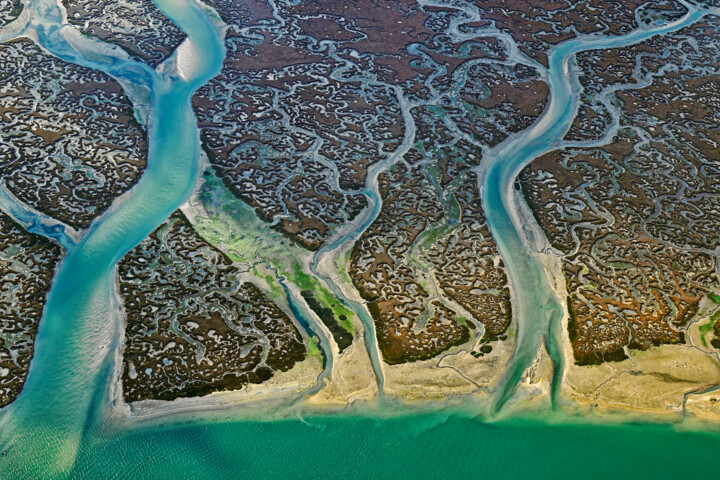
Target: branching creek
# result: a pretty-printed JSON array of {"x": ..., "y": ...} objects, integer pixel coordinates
[{"x": 63, "y": 424}]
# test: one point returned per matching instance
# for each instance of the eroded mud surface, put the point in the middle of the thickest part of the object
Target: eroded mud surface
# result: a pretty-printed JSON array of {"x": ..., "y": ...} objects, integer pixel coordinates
[
  {"x": 27, "y": 265},
  {"x": 71, "y": 144},
  {"x": 193, "y": 326},
  {"x": 538, "y": 25},
  {"x": 637, "y": 218},
  {"x": 137, "y": 26},
  {"x": 9, "y": 10},
  {"x": 428, "y": 266},
  {"x": 311, "y": 95},
  {"x": 380, "y": 113},
  {"x": 420, "y": 259}
]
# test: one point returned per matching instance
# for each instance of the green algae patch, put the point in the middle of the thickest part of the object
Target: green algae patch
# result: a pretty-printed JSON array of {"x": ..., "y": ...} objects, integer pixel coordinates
[
  {"x": 342, "y": 271},
  {"x": 276, "y": 290},
  {"x": 234, "y": 227},
  {"x": 714, "y": 297},
  {"x": 706, "y": 328},
  {"x": 313, "y": 351},
  {"x": 307, "y": 282},
  {"x": 712, "y": 325},
  {"x": 463, "y": 321},
  {"x": 341, "y": 336}
]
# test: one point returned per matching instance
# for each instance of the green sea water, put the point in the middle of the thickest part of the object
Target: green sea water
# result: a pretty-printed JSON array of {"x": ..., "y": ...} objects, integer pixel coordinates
[
  {"x": 64, "y": 426},
  {"x": 415, "y": 445}
]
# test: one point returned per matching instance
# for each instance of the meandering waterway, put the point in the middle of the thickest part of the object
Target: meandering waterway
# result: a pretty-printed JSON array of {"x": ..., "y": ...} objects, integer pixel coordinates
[
  {"x": 538, "y": 309},
  {"x": 62, "y": 426}
]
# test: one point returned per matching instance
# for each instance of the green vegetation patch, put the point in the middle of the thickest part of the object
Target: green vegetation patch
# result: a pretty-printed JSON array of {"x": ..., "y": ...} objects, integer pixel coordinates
[
  {"x": 712, "y": 325},
  {"x": 341, "y": 335},
  {"x": 234, "y": 227},
  {"x": 313, "y": 351}
]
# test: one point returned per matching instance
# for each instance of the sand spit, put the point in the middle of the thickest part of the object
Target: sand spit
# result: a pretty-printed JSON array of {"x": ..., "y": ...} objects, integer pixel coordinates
[
  {"x": 352, "y": 379},
  {"x": 655, "y": 381},
  {"x": 455, "y": 373},
  {"x": 186, "y": 59}
]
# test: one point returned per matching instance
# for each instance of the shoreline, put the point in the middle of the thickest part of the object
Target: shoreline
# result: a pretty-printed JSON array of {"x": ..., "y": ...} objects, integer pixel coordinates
[
  {"x": 268, "y": 407},
  {"x": 287, "y": 396},
  {"x": 664, "y": 361}
]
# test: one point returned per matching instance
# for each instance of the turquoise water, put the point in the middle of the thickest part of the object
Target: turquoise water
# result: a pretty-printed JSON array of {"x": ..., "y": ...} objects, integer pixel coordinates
[
  {"x": 414, "y": 446},
  {"x": 62, "y": 426}
]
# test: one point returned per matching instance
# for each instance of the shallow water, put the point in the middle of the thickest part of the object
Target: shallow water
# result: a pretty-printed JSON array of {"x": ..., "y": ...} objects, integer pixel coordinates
[
  {"x": 412, "y": 446},
  {"x": 61, "y": 427}
]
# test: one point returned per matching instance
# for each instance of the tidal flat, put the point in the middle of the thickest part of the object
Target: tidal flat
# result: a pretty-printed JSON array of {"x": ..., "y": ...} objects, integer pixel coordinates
[{"x": 345, "y": 239}]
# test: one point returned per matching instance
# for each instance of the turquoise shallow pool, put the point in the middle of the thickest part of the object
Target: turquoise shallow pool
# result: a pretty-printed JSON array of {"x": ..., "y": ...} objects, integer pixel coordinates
[{"x": 61, "y": 427}]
